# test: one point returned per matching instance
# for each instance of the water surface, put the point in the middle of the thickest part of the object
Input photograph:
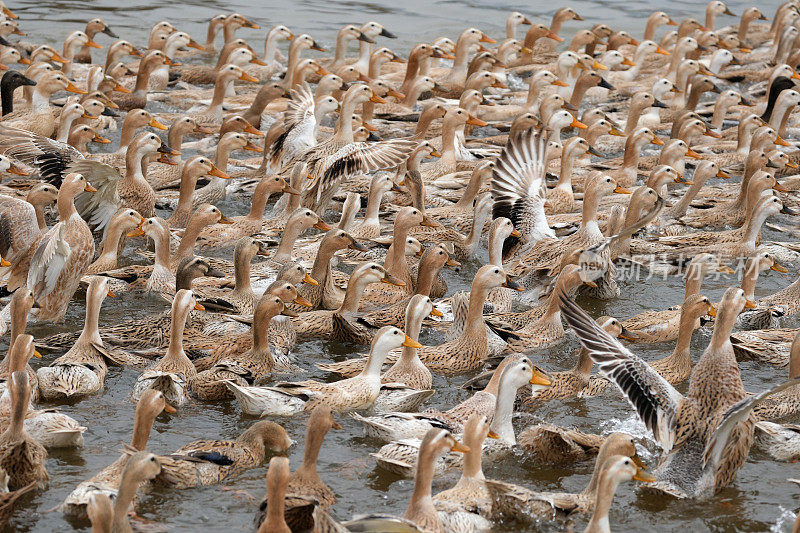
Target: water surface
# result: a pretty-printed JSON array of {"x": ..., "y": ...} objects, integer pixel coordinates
[{"x": 760, "y": 499}]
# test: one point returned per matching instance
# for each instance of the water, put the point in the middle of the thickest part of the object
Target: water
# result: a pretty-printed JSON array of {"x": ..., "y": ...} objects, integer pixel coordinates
[{"x": 760, "y": 499}]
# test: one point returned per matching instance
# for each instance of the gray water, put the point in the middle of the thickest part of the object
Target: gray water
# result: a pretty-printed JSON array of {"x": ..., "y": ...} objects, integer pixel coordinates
[{"x": 759, "y": 500}]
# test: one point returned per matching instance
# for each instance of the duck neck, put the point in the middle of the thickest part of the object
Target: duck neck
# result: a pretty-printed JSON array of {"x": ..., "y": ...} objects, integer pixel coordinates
[
  {"x": 322, "y": 264},
  {"x": 685, "y": 329},
  {"x": 161, "y": 240},
  {"x": 749, "y": 280},
  {"x": 175, "y": 137},
  {"x": 111, "y": 243},
  {"x": 125, "y": 494},
  {"x": 143, "y": 78},
  {"x": 591, "y": 201},
  {"x": 241, "y": 274},
  {"x": 473, "y": 187},
  {"x": 39, "y": 210},
  {"x": 633, "y": 147},
  {"x": 583, "y": 367},
  {"x": 290, "y": 234},
  {"x": 373, "y": 206},
  {"x": 352, "y": 295},
  {"x": 421, "y": 501},
  {"x": 7, "y": 98},
  {"x": 650, "y": 29},
  {"x": 752, "y": 227},
  {"x": 270, "y": 47},
  {"x": 188, "y": 184},
  {"x": 503, "y": 413},
  {"x": 449, "y": 141},
  {"x": 65, "y": 204},
  {"x": 424, "y": 123},
  {"x": 473, "y": 464},
  {"x": 427, "y": 274},
  {"x": 412, "y": 95},
  {"x": 412, "y": 70},
  {"x": 475, "y": 323},
  {"x": 41, "y": 100},
  {"x": 175, "y": 351},
  {"x": 395, "y": 262},
  {"x": 633, "y": 118},
  {"x": 565, "y": 177},
  {"x": 314, "y": 438},
  {"x": 605, "y": 495},
  {"x": 260, "y": 198},
  {"x": 682, "y": 206},
  {"x": 220, "y": 88},
  {"x": 476, "y": 229},
  {"x": 341, "y": 48},
  {"x": 794, "y": 359},
  {"x": 189, "y": 239},
  {"x": 19, "y": 409},
  {"x": 496, "y": 241},
  {"x": 260, "y": 328},
  {"x": 128, "y": 131},
  {"x": 64, "y": 125}
]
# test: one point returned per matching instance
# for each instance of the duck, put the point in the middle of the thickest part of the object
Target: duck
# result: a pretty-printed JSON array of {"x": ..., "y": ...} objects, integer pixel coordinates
[
  {"x": 56, "y": 277},
  {"x": 107, "y": 481},
  {"x": 321, "y": 323},
  {"x": 398, "y": 456},
  {"x": 21, "y": 456},
  {"x": 305, "y": 481},
  {"x": 662, "y": 326},
  {"x": 398, "y": 427},
  {"x": 215, "y": 191},
  {"x": 122, "y": 223},
  {"x": 24, "y": 219},
  {"x": 204, "y": 215},
  {"x": 208, "y": 462},
  {"x": 82, "y": 370},
  {"x": 758, "y": 317},
  {"x": 460, "y": 506},
  {"x": 572, "y": 382},
  {"x": 137, "y": 99},
  {"x": 254, "y": 365},
  {"x": 140, "y": 468},
  {"x": 511, "y": 501},
  {"x": 784, "y": 403},
  {"x": 174, "y": 370},
  {"x": 701, "y": 416},
  {"x": 353, "y": 393},
  {"x": 241, "y": 300},
  {"x": 620, "y": 468},
  {"x": 421, "y": 514},
  {"x": 277, "y": 481},
  {"x": 40, "y": 119},
  {"x": 191, "y": 171},
  {"x": 250, "y": 224}
]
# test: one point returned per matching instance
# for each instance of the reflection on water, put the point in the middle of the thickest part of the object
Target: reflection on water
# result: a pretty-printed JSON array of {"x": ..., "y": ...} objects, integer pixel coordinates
[{"x": 760, "y": 499}]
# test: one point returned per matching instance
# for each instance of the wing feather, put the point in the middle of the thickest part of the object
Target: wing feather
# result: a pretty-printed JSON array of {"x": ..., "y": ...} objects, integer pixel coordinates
[
  {"x": 48, "y": 261},
  {"x": 654, "y": 399}
]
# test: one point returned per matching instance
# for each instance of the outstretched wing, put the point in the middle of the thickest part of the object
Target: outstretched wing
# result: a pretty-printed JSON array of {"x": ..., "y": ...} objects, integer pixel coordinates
[
  {"x": 653, "y": 398},
  {"x": 362, "y": 157},
  {"x": 48, "y": 261},
  {"x": 518, "y": 185},
  {"x": 51, "y": 157},
  {"x": 738, "y": 413},
  {"x": 97, "y": 208},
  {"x": 301, "y": 108}
]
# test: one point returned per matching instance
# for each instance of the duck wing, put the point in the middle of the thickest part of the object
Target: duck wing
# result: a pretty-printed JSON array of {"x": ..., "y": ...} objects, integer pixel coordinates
[
  {"x": 49, "y": 260},
  {"x": 97, "y": 208},
  {"x": 51, "y": 157},
  {"x": 654, "y": 399}
]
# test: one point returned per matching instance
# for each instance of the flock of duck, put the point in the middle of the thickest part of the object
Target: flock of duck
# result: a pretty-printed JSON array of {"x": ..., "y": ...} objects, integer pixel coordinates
[{"x": 462, "y": 142}]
